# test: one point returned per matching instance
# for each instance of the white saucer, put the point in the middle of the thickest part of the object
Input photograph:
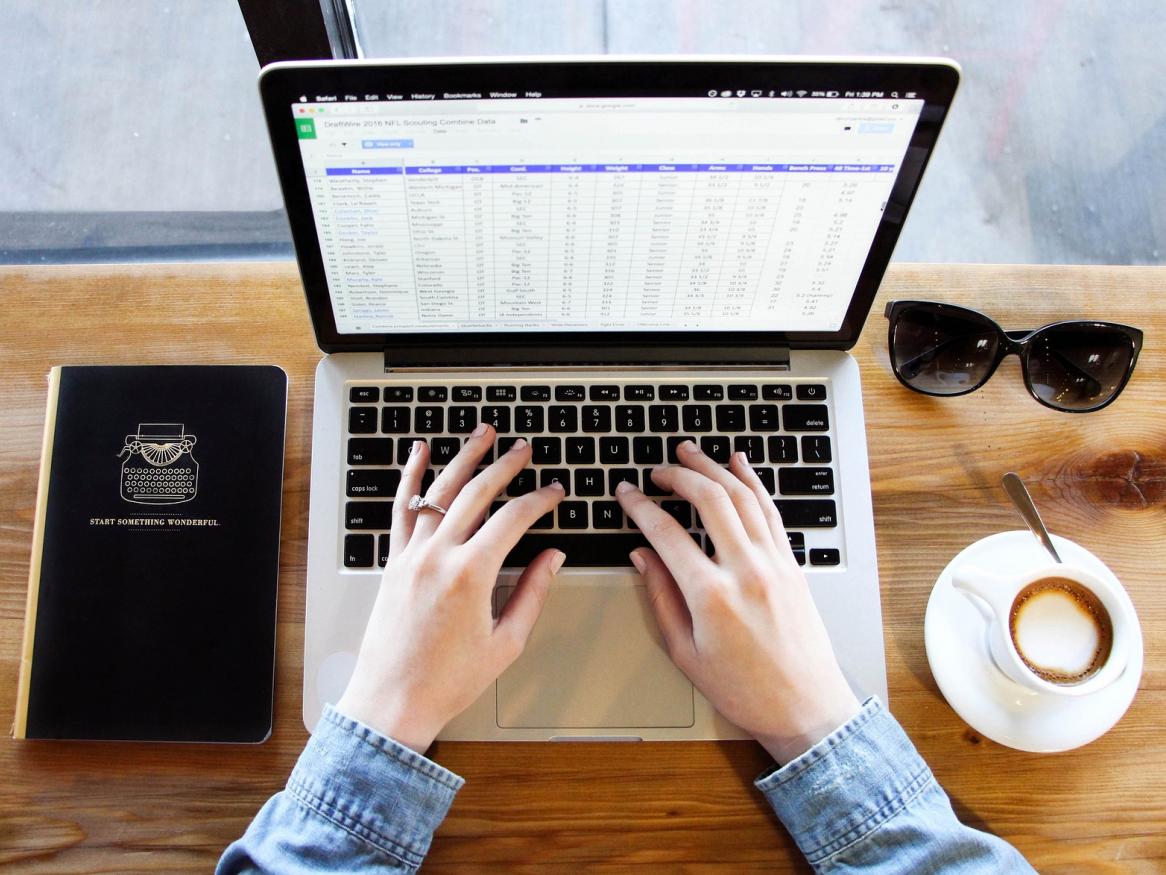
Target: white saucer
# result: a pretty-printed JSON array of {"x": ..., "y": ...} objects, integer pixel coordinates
[{"x": 955, "y": 631}]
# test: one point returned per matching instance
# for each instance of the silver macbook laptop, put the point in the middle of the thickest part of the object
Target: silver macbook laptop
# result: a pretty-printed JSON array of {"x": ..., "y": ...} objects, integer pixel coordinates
[{"x": 604, "y": 256}]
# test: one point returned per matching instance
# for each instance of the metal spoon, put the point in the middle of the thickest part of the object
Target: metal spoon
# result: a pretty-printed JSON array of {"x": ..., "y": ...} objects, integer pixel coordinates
[{"x": 1023, "y": 501}]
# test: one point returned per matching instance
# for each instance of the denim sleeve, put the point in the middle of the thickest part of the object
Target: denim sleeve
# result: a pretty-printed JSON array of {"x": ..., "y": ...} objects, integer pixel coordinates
[
  {"x": 356, "y": 800},
  {"x": 862, "y": 799}
]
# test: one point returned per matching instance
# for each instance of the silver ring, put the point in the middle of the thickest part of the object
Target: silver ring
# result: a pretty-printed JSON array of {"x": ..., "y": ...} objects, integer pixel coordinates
[{"x": 419, "y": 503}]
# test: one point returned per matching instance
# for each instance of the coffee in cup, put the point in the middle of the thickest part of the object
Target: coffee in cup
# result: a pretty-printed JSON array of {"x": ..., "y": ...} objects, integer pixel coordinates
[{"x": 1061, "y": 630}]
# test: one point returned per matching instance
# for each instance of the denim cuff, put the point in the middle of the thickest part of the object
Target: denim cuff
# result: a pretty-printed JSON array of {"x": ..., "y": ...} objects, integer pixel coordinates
[
  {"x": 373, "y": 787},
  {"x": 848, "y": 784}
]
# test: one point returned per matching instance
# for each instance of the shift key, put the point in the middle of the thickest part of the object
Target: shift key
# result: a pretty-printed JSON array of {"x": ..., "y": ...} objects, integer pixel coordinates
[{"x": 808, "y": 514}]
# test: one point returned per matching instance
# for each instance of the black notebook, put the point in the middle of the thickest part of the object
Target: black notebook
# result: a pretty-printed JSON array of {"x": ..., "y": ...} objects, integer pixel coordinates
[{"x": 155, "y": 556}]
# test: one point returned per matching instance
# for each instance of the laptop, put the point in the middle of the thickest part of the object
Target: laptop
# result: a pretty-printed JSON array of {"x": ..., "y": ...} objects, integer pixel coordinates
[{"x": 604, "y": 256}]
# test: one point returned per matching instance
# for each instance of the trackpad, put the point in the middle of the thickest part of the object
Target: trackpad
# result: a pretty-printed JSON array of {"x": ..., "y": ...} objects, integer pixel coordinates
[{"x": 594, "y": 660}]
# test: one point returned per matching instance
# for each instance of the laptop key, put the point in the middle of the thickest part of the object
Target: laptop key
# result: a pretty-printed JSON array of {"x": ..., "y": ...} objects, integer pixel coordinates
[
  {"x": 807, "y": 513},
  {"x": 629, "y": 418},
  {"x": 765, "y": 475},
  {"x": 753, "y": 446},
  {"x": 605, "y": 393},
  {"x": 546, "y": 451},
  {"x": 383, "y": 545},
  {"x": 673, "y": 393},
  {"x": 777, "y": 392},
  {"x": 639, "y": 393},
  {"x": 504, "y": 444},
  {"x": 698, "y": 417},
  {"x": 783, "y": 449},
  {"x": 528, "y": 420},
  {"x": 589, "y": 481},
  {"x": 403, "y": 446},
  {"x": 465, "y": 394},
  {"x": 797, "y": 540},
  {"x": 522, "y": 483},
  {"x": 395, "y": 420},
  {"x": 664, "y": 418},
  {"x": 650, "y": 487},
  {"x": 816, "y": 448},
  {"x": 368, "y": 515},
  {"x": 613, "y": 450},
  {"x": 364, "y": 394},
  {"x": 501, "y": 393},
  {"x": 536, "y": 393},
  {"x": 398, "y": 393},
  {"x": 563, "y": 419},
  {"x": 763, "y": 417},
  {"x": 580, "y": 450},
  {"x": 825, "y": 556},
  {"x": 811, "y": 392},
  {"x": 547, "y": 476},
  {"x": 546, "y": 521},
  {"x": 648, "y": 450},
  {"x": 443, "y": 449},
  {"x": 497, "y": 416},
  {"x": 362, "y": 420},
  {"x": 572, "y": 515},
  {"x": 806, "y": 417},
  {"x": 370, "y": 451},
  {"x": 570, "y": 393},
  {"x": 743, "y": 393},
  {"x": 708, "y": 393},
  {"x": 681, "y": 511},
  {"x": 730, "y": 417},
  {"x": 606, "y": 515},
  {"x": 372, "y": 483},
  {"x": 358, "y": 551},
  {"x": 615, "y": 476},
  {"x": 596, "y": 418},
  {"x": 673, "y": 443},
  {"x": 806, "y": 481},
  {"x": 429, "y": 420},
  {"x": 590, "y": 550},
  {"x": 432, "y": 393},
  {"x": 716, "y": 447},
  {"x": 462, "y": 420}
]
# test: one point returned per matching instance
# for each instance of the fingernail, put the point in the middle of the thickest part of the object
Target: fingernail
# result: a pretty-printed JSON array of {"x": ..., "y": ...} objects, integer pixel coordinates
[
  {"x": 623, "y": 486},
  {"x": 557, "y": 561},
  {"x": 479, "y": 431},
  {"x": 416, "y": 446},
  {"x": 518, "y": 444},
  {"x": 638, "y": 561},
  {"x": 689, "y": 446},
  {"x": 555, "y": 484},
  {"x": 740, "y": 457}
]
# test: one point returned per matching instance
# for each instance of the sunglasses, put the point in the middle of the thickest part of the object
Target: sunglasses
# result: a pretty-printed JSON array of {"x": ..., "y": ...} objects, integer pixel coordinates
[{"x": 1076, "y": 367}]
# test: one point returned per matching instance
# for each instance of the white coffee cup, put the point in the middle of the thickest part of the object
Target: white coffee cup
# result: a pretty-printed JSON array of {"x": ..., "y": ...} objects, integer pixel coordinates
[{"x": 1052, "y": 629}]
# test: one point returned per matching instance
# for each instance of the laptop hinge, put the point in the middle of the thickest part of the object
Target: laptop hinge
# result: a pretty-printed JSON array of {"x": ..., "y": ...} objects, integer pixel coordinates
[{"x": 493, "y": 356}]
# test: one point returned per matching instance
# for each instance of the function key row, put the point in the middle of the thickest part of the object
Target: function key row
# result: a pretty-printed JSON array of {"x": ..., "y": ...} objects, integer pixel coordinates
[
  {"x": 594, "y": 418},
  {"x": 667, "y": 392}
]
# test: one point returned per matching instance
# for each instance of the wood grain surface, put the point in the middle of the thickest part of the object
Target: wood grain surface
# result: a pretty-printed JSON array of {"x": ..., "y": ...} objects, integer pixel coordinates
[{"x": 1099, "y": 479}]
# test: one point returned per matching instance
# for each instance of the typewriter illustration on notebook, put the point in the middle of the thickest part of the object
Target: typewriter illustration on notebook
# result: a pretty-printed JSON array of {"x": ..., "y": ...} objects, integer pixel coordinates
[{"x": 157, "y": 464}]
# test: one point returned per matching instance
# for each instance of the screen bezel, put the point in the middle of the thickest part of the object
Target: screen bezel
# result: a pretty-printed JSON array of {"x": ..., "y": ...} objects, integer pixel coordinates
[{"x": 281, "y": 85}]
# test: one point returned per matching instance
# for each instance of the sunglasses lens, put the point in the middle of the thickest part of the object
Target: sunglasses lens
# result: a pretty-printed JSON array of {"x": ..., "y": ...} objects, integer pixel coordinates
[
  {"x": 943, "y": 351},
  {"x": 1079, "y": 367}
]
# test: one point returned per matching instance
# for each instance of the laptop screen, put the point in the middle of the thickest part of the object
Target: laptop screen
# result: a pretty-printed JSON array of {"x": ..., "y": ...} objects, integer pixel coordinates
[{"x": 699, "y": 206}]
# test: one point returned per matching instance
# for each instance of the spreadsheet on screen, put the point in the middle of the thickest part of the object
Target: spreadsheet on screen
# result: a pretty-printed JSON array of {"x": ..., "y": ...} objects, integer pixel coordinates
[{"x": 630, "y": 214}]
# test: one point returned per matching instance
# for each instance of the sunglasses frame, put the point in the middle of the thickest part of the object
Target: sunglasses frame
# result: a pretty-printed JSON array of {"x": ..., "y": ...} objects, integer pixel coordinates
[{"x": 1017, "y": 342}]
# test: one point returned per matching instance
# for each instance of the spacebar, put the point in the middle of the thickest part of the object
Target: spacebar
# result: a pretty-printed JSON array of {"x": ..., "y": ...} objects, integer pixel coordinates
[{"x": 583, "y": 550}]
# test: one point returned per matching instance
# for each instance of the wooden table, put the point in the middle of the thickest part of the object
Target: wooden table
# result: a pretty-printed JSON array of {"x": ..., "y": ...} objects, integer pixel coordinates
[{"x": 1099, "y": 479}]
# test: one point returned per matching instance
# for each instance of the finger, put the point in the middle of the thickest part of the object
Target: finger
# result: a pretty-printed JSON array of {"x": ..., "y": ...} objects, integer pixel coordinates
[
  {"x": 668, "y": 603},
  {"x": 469, "y": 508},
  {"x": 527, "y": 600},
  {"x": 456, "y": 475},
  {"x": 717, "y": 511},
  {"x": 685, "y": 558},
  {"x": 501, "y": 532},
  {"x": 410, "y": 485},
  {"x": 741, "y": 468},
  {"x": 743, "y": 498}
]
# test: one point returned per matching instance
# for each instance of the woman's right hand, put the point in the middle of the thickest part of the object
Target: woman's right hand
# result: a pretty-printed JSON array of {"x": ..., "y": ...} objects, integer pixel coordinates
[{"x": 741, "y": 625}]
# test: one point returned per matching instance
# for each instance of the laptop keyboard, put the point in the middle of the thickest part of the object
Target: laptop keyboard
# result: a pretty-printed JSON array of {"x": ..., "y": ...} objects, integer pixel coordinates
[{"x": 589, "y": 437}]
